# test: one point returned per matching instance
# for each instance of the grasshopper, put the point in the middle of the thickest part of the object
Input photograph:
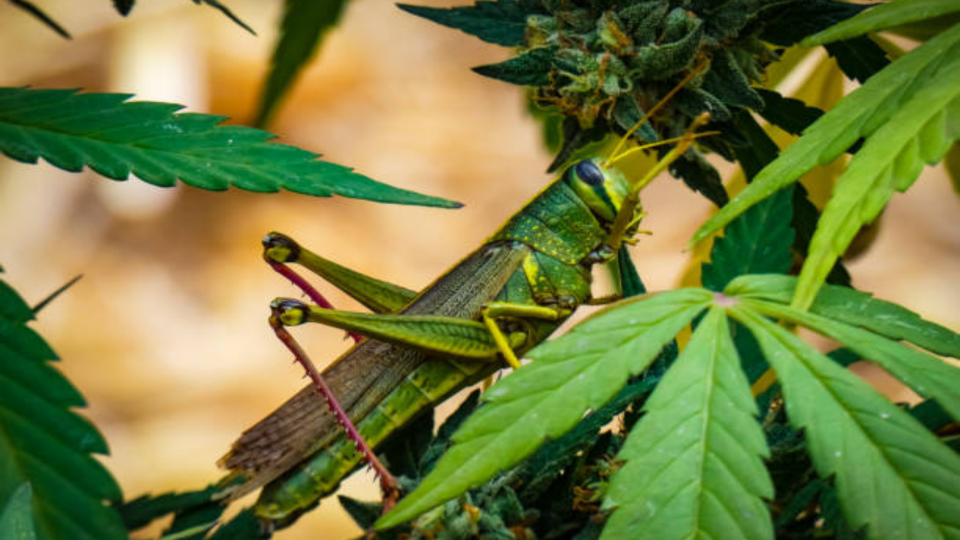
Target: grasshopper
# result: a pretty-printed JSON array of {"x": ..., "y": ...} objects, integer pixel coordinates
[{"x": 489, "y": 309}]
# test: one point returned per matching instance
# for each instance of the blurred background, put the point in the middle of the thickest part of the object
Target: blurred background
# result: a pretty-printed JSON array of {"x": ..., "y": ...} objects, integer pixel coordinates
[{"x": 166, "y": 334}]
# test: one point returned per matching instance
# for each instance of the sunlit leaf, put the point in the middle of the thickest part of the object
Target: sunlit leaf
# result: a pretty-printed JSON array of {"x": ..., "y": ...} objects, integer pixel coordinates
[
  {"x": 927, "y": 375},
  {"x": 882, "y": 16},
  {"x": 919, "y": 133},
  {"x": 569, "y": 376},
  {"x": 859, "y": 114},
  {"x": 692, "y": 463},
  {"x": 856, "y": 308},
  {"x": 16, "y": 518},
  {"x": 892, "y": 476},
  {"x": 152, "y": 141}
]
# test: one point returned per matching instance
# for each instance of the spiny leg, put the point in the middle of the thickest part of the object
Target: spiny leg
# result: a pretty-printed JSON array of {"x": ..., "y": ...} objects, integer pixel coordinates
[{"x": 282, "y": 314}]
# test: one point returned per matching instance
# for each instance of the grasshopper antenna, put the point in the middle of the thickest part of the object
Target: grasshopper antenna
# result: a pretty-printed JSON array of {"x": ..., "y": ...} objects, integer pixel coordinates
[
  {"x": 614, "y": 157},
  {"x": 282, "y": 310},
  {"x": 632, "y": 199}
]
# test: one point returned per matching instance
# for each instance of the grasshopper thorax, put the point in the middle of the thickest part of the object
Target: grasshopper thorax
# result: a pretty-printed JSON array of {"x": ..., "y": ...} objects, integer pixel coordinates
[{"x": 600, "y": 187}]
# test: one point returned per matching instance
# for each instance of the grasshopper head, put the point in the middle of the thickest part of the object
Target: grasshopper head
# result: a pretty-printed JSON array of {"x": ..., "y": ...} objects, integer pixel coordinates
[{"x": 602, "y": 188}]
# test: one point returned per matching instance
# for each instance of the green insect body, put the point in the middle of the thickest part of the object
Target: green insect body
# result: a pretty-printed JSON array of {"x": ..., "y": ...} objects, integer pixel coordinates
[{"x": 539, "y": 261}]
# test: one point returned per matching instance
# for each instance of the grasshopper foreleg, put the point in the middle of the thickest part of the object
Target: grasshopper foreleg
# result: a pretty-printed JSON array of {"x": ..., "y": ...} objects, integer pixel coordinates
[
  {"x": 495, "y": 310},
  {"x": 389, "y": 485}
]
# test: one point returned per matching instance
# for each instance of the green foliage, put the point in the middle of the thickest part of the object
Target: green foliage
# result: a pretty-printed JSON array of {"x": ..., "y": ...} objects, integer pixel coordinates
[
  {"x": 546, "y": 398},
  {"x": 152, "y": 141},
  {"x": 692, "y": 463},
  {"x": 141, "y": 511},
  {"x": 42, "y": 442},
  {"x": 757, "y": 242},
  {"x": 902, "y": 112},
  {"x": 896, "y": 490},
  {"x": 503, "y": 22},
  {"x": 883, "y": 16},
  {"x": 531, "y": 68},
  {"x": 305, "y": 23},
  {"x": 853, "y": 433},
  {"x": 16, "y": 519},
  {"x": 600, "y": 64}
]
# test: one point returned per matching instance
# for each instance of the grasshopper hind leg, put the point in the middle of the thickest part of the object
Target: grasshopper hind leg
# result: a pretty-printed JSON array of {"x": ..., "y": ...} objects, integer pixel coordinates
[{"x": 293, "y": 312}]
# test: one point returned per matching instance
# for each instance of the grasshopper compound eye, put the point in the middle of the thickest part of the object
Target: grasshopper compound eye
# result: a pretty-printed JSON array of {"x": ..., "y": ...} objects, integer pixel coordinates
[{"x": 589, "y": 172}]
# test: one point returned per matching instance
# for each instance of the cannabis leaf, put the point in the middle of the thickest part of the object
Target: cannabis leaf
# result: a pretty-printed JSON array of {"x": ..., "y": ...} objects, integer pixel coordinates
[
  {"x": 892, "y": 475},
  {"x": 693, "y": 460},
  {"x": 503, "y": 22},
  {"x": 549, "y": 396},
  {"x": 757, "y": 242},
  {"x": 305, "y": 23},
  {"x": 43, "y": 443},
  {"x": 693, "y": 467},
  {"x": 151, "y": 140},
  {"x": 922, "y": 82},
  {"x": 919, "y": 133},
  {"x": 883, "y": 16},
  {"x": 867, "y": 326},
  {"x": 16, "y": 520}
]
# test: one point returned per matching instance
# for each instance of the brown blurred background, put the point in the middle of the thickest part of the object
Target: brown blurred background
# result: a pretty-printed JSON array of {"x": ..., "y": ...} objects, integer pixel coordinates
[{"x": 166, "y": 334}]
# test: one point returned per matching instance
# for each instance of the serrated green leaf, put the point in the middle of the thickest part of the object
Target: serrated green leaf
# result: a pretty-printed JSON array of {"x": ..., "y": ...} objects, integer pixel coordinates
[
  {"x": 580, "y": 371},
  {"x": 503, "y": 22},
  {"x": 12, "y": 307},
  {"x": 859, "y": 58},
  {"x": 757, "y": 242},
  {"x": 856, "y": 308},
  {"x": 857, "y": 115},
  {"x": 531, "y": 68},
  {"x": 692, "y": 463},
  {"x": 700, "y": 176},
  {"x": 891, "y": 160},
  {"x": 794, "y": 21},
  {"x": 927, "y": 375},
  {"x": 152, "y": 141},
  {"x": 788, "y": 114},
  {"x": 139, "y": 512},
  {"x": 43, "y": 443},
  {"x": 16, "y": 519},
  {"x": 364, "y": 514},
  {"x": 883, "y": 16},
  {"x": 40, "y": 15},
  {"x": 892, "y": 475},
  {"x": 305, "y": 23}
]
